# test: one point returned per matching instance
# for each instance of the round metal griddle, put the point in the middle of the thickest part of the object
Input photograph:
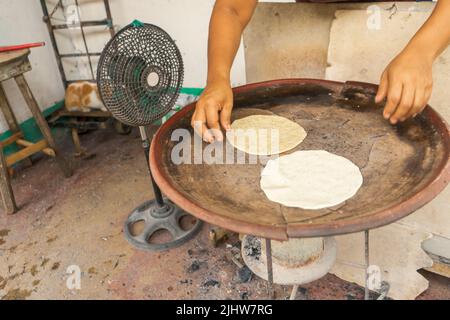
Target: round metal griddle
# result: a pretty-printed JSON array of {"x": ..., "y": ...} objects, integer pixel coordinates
[{"x": 404, "y": 166}]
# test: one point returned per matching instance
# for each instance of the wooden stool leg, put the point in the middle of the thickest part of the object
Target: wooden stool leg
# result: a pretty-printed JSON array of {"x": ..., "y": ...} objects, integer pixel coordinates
[
  {"x": 5, "y": 186},
  {"x": 76, "y": 141},
  {"x": 7, "y": 111},
  {"x": 10, "y": 118},
  {"x": 42, "y": 123}
]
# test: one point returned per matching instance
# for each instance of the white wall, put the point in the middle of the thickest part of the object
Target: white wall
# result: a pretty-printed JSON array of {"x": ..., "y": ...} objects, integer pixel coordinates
[{"x": 185, "y": 20}]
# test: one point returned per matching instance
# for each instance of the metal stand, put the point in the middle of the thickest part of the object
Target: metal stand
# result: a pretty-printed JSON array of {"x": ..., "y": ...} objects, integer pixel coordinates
[
  {"x": 81, "y": 25},
  {"x": 158, "y": 214},
  {"x": 269, "y": 269},
  {"x": 294, "y": 292},
  {"x": 272, "y": 260},
  {"x": 366, "y": 253},
  {"x": 367, "y": 264}
]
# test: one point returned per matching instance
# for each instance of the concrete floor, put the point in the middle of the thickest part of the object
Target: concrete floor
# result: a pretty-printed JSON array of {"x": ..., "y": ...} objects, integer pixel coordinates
[{"x": 78, "y": 221}]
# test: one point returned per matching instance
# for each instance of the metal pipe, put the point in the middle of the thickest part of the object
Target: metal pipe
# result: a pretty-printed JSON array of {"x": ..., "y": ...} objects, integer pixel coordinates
[
  {"x": 269, "y": 269},
  {"x": 55, "y": 8},
  {"x": 294, "y": 292},
  {"x": 84, "y": 39},
  {"x": 78, "y": 80},
  {"x": 75, "y": 55},
  {"x": 366, "y": 253},
  {"x": 47, "y": 21},
  {"x": 109, "y": 17},
  {"x": 22, "y": 46},
  {"x": 93, "y": 23}
]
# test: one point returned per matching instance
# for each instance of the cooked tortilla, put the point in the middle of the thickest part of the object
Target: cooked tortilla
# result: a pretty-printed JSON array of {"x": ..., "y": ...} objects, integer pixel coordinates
[
  {"x": 265, "y": 134},
  {"x": 313, "y": 179}
]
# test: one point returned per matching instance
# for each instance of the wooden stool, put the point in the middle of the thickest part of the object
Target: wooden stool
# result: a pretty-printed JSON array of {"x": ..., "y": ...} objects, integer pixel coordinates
[{"x": 12, "y": 65}]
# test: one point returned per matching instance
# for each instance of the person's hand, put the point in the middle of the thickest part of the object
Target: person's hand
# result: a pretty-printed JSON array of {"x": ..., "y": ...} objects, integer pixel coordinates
[
  {"x": 212, "y": 111},
  {"x": 406, "y": 84}
]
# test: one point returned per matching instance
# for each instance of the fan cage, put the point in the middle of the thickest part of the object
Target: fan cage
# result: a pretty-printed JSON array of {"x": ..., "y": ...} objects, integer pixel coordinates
[{"x": 129, "y": 59}]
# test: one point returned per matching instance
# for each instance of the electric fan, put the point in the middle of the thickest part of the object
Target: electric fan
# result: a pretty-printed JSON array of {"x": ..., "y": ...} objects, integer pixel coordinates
[{"x": 139, "y": 75}]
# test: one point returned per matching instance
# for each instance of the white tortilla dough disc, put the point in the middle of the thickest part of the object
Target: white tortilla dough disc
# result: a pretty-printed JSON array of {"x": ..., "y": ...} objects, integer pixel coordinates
[
  {"x": 255, "y": 135},
  {"x": 313, "y": 179}
]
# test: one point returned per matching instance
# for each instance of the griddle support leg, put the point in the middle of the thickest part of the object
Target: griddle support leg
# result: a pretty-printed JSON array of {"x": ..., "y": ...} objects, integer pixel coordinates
[
  {"x": 366, "y": 253},
  {"x": 269, "y": 270},
  {"x": 294, "y": 292}
]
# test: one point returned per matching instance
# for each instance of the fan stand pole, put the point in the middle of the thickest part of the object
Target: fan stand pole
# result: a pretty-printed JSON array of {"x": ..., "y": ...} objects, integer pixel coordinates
[{"x": 146, "y": 146}]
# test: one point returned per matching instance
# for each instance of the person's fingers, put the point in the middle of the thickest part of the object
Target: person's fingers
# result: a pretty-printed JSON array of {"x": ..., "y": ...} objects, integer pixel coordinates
[
  {"x": 198, "y": 123},
  {"x": 428, "y": 92},
  {"x": 206, "y": 134},
  {"x": 419, "y": 102},
  {"x": 393, "y": 98},
  {"x": 426, "y": 98},
  {"x": 406, "y": 103},
  {"x": 225, "y": 116},
  {"x": 195, "y": 122},
  {"x": 212, "y": 119},
  {"x": 382, "y": 88}
]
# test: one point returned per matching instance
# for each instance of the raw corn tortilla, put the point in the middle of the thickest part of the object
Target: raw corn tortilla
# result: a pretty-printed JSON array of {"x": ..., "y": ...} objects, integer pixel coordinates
[
  {"x": 313, "y": 179},
  {"x": 255, "y": 134}
]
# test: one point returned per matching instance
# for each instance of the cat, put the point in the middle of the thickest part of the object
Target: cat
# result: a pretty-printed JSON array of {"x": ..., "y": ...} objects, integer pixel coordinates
[{"x": 83, "y": 96}]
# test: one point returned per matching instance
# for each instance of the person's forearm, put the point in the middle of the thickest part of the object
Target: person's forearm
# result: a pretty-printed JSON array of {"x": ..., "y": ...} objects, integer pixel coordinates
[
  {"x": 434, "y": 36},
  {"x": 225, "y": 31}
]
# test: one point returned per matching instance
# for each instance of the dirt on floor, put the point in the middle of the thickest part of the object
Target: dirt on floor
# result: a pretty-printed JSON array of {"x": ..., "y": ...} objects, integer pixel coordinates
[{"x": 76, "y": 224}]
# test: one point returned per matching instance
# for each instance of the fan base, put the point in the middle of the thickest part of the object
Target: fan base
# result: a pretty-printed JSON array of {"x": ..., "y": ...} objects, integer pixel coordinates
[{"x": 150, "y": 213}]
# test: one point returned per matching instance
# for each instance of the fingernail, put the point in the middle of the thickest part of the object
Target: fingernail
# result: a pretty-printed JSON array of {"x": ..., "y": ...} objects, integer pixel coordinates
[
  {"x": 387, "y": 115},
  {"x": 393, "y": 121}
]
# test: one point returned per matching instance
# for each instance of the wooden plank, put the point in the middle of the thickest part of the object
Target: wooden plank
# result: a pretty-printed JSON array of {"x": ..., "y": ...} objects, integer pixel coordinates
[
  {"x": 13, "y": 69},
  {"x": 24, "y": 143},
  {"x": 41, "y": 122},
  {"x": 9, "y": 56},
  {"x": 90, "y": 114},
  {"x": 25, "y": 153},
  {"x": 76, "y": 141},
  {"x": 10, "y": 140},
  {"x": 6, "y": 191},
  {"x": 7, "y": 111},
  {"x": 34, "y": 108}
]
